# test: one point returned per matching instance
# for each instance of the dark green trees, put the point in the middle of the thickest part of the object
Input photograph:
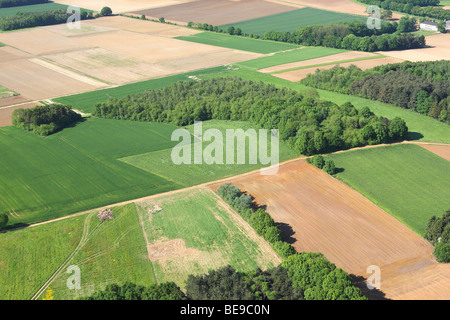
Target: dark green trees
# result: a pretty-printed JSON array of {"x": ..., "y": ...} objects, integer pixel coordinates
[
  {"x": 45, "y": 120},
  {"x": 3, "y": 220},
  {"x": 438, "y": 233},
  {"x": 106, "y": 11}
]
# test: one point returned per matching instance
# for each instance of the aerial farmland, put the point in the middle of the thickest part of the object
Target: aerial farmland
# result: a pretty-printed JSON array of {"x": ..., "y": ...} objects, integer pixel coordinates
[{"x": 192, "y": 150}]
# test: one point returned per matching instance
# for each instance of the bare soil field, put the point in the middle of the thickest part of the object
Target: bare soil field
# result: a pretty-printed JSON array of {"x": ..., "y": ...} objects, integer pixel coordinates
[
  {"x": 343, "y": 6},
  {"x": 438, "y": 49},
  {"x": 312, "y": 62},
  {"x": 5, "y": 113},
  {"x": 218, "y": 12},
  {"x": 441, "y": 150},
  {"x": 323, "y": 214},
  {"x": 54, "y": 61},
  {"x": 120, "y": 6},
  {"x": 297, "y": 75}
]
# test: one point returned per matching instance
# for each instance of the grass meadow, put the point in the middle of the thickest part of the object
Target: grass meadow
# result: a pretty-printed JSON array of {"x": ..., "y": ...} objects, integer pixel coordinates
[
  {"x": 160, "y": 163},
  {"x": 293, "y": 20},
  {"x": 407, "y": 181},
  {"x": 239, "y": 43},
  {"x": 198, "y": 234},
  {"x": 28, "y": 257}
]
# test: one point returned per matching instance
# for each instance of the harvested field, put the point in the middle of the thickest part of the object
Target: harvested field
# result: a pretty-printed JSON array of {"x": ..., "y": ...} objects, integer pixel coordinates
[
  {"x": 297, "y": 75},
  {"x": 140, "y": 26},
  {"x": 349, "y": 55},
  {"x": 438, "y": 48},
  {"x": 5, "y": 113},
  {"x": 120, "y": 6},
  {"x": 441, "y": 150},
  {"x": 328, "y": 216},
  {"x": 218, "y": 12},
  {"x": 10, "y": 101}
]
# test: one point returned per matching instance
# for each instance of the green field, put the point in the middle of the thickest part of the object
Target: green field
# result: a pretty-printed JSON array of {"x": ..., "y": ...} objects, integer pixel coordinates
[
  {"x": 5, "y": 92},
  {"x": 407, "y": 181},
  {"x": 77, "y": 169},
  {"x": 293, "y": 20},
  {"x": 12, "y": 11},
  {"x": 85, "y": 101},
  {"x": 209, "y": 237},
  {"x": 301, "y": 54},
  {"x": 30, "y": 256},
  {"x": 115, "y": 251},
  {"x": 159, "y": 162},
  {"x": 239, "y": 43}
]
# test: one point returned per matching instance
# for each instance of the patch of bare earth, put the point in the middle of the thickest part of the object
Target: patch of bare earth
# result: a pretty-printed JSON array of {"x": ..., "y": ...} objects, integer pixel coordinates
[
  {"x": 322, "y": 214},
  {"x": 218, "y": 12},
  {"x": 5, "y": 113},
  {"x": 441, "y": 150},
  {"x": 297, "y": 75},
  {"x": 438, "y": 48}
]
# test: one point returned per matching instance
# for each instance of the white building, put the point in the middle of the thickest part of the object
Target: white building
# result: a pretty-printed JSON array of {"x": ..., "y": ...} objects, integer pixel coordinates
[{"x": 432, "y": 26}]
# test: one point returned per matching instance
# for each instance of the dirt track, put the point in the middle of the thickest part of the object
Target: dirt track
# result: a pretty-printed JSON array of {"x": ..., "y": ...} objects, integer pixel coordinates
[{"x": 320, "y": 213}]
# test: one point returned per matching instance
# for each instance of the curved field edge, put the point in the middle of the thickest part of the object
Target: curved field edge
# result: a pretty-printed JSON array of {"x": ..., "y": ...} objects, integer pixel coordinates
[{"x": 405, "y": 180}]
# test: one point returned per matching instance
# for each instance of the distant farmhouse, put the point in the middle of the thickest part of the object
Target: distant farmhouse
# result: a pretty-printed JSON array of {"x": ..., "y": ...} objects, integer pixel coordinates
[{"x": 432, "y": 26}]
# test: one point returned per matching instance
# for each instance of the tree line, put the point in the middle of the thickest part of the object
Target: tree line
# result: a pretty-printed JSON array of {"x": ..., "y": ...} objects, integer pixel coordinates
[
  {"x": 45, "y": 120},
  {"x": 321, "y": 162},
  {"x": 423, "y": 8},
  {"x": 309, "y": 126},
  {"x": 438, "y": 234},
  {"x": 345, "y": 35},
  {"x": 16, "y": 3},
  {"x": 35, "y": 19},
  {"x": 423, "y": 87}
]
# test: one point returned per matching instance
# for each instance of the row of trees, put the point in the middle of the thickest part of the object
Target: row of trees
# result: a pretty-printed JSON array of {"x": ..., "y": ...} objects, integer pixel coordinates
[
  {"x": 421, "y": 8},
  {"x": 34, "y": 19},
  {"x": 422, "y": 86},
  {"x": 259, "y": 219},
  {"x": 45, "y": 120},
  {"x": 15, "y": 3},
  {"x": 308, "y": 125},
  {"x": 132, "y": 291},
  {"x": 4, "y": 218},
  {"x": 438, "y": 233}
]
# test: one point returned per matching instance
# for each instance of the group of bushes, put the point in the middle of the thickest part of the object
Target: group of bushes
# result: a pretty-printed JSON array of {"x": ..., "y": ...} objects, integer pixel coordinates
[
  {"x": 308, "y": 125},
  {"x": 4, "y": 218},
  {"x": 320, "y": 162},
  {"x": 346, "y": 35},
  {"x": 423, "y": 8},
  {"x": 45, "y": 120},
  {"x": 438, "y": 233},
  {"x": 16, "y": 3},
  {"x": 420, "y": 86},
  {"x": 259, "y": 219}
]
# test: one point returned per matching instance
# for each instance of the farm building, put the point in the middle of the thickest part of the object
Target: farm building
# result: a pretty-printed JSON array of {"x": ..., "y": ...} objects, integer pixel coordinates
[{"x": 429, "y": 25}]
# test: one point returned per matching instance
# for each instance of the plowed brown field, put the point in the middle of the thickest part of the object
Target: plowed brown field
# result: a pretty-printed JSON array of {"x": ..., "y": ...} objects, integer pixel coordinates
[
  {"x": 218, "y": 12},
  {"x": 441, "y": 150},
  {"x": 323, "y": 214}
]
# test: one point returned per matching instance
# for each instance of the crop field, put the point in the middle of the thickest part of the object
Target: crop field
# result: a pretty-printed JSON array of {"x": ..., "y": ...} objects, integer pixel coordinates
[
  {"x": 217, "y": 12},
  {"x": 239, "y": 43},
  {"x": 120, "y": 6},
  {"x": 86, "y": 101},
  {"x": 159, "y": 162},
  {"x": 76, "y": 169},
  {"x": 407, "y": 181},
  {"x": 12, "y": 11},
  {"x": 28, "y": 257},
  {"x": 325, "y": 215},
  {"x": 292, "y": 20},
  {"x": 195, "y": 232},
  {"x": 5, "y": 93},
  {"x": 291, "y": 56}
]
